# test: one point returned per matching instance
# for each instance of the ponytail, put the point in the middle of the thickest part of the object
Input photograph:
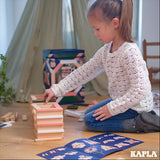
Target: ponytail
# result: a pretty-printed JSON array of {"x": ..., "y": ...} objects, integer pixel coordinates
[{"x": 125, "y": 27}]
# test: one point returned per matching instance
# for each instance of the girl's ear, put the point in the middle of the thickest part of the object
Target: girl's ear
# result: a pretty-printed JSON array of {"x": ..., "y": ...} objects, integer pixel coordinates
[{"x": 115, "y": 22}]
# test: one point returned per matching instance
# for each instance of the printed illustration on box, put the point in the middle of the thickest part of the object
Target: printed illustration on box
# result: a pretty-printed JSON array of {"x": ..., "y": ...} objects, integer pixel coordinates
[{"x": 57, "y": 65}]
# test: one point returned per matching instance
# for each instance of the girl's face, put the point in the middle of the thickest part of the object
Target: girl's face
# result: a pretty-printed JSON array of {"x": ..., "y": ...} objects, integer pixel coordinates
[{"x": 103, "y": 31}]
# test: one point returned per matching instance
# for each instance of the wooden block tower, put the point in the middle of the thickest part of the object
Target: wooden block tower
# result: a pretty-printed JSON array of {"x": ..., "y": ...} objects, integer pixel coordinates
[{"x": 48, "y": 121}]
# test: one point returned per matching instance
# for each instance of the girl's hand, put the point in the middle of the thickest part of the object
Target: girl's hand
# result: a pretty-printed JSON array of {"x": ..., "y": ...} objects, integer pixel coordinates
[
  {"x": 102, "y": 113},
  {"x": 48, "y": 94}
]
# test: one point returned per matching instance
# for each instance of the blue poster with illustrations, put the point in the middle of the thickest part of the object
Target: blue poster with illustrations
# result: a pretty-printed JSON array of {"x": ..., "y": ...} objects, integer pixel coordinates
[{"x": 95, "y": 147}]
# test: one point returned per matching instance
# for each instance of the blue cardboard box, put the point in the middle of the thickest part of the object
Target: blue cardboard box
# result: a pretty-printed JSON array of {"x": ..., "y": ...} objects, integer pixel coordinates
[{"x": 57, "y": 65}]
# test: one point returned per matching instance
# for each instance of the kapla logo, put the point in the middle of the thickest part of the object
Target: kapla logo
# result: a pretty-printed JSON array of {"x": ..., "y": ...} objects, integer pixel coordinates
[{"x": 143, "y": 153}]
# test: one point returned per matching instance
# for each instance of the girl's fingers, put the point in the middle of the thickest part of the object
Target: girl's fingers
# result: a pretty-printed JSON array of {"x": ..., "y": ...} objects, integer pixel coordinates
[
  {"x": 97, "y": 113},
  {"x": 102, "y": 114},
  {"x": 47, "y": 99},
  {"x": 100, "y": 117},
  {"x": 104, "y": 118}
]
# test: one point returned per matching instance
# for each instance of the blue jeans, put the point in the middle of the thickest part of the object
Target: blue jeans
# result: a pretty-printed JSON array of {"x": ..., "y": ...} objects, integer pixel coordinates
[{"x": 112, "y": 124}]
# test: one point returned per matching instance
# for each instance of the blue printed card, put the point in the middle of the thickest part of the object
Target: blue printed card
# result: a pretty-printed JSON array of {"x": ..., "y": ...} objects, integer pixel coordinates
[
  {"x": 2, "y": 125},
  {"x": 95, "y": 147}
]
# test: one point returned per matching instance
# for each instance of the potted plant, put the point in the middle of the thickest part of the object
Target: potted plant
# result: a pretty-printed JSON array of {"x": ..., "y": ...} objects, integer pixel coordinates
[{"x": 6, "y": 93}]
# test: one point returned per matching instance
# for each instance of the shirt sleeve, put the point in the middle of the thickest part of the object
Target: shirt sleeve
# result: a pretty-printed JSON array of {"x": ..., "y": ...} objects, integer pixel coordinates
[
  {"x": 80, "y": 76},
  {"x": 137, "y": 73}
]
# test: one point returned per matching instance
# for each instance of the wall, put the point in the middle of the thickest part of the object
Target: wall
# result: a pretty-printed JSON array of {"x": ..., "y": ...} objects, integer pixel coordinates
[
  {"x": 150, "y": 29},
  {"x": 150, "y": 20}
]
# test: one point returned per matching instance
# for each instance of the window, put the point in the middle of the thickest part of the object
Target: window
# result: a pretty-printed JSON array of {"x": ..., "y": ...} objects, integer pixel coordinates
[{"x": 10, "y": 13}]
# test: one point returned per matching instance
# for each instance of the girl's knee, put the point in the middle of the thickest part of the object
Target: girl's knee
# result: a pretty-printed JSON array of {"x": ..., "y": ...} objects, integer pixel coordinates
[
  {"x": 89, "y": 120},
  {"x": 88, "y": 125}
]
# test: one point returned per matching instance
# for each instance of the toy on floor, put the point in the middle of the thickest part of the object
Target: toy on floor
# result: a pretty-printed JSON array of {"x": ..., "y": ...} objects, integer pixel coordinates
[
  {"x": 10, "y": 116},
  {"x": 48, "y": 121},
  {"x": 24, "y": 117},
  {"x": 6, "y": 124},
  {"x": 76, "y": 114}
]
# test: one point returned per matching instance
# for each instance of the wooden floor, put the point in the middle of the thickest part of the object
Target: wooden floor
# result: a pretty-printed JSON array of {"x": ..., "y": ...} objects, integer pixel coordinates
[{"x": 17, "y": 142}]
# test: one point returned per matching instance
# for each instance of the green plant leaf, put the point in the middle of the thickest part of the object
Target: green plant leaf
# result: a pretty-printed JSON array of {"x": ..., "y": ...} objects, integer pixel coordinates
[{"x": 6, "y": 94}]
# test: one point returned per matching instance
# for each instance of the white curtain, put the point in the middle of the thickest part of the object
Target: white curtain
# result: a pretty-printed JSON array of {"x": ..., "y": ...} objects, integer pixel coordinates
[
  {"x": 135, "y": 19},
  {"x": 39, "y": 28},
  {"x": 10, "y": 13},
  {"x": 67, "y": 25}
]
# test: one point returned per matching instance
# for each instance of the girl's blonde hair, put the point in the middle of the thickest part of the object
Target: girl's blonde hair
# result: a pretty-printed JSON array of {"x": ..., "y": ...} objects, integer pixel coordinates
[{"x": 106, "y": 10}]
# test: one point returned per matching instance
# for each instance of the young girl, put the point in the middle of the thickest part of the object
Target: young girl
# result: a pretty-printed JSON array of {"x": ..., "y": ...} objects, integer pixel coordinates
[{"x": 130, "y": 107}]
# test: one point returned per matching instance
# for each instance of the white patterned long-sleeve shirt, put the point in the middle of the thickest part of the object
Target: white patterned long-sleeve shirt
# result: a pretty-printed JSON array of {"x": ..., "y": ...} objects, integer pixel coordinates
[{"x": 128, "y": 82}]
